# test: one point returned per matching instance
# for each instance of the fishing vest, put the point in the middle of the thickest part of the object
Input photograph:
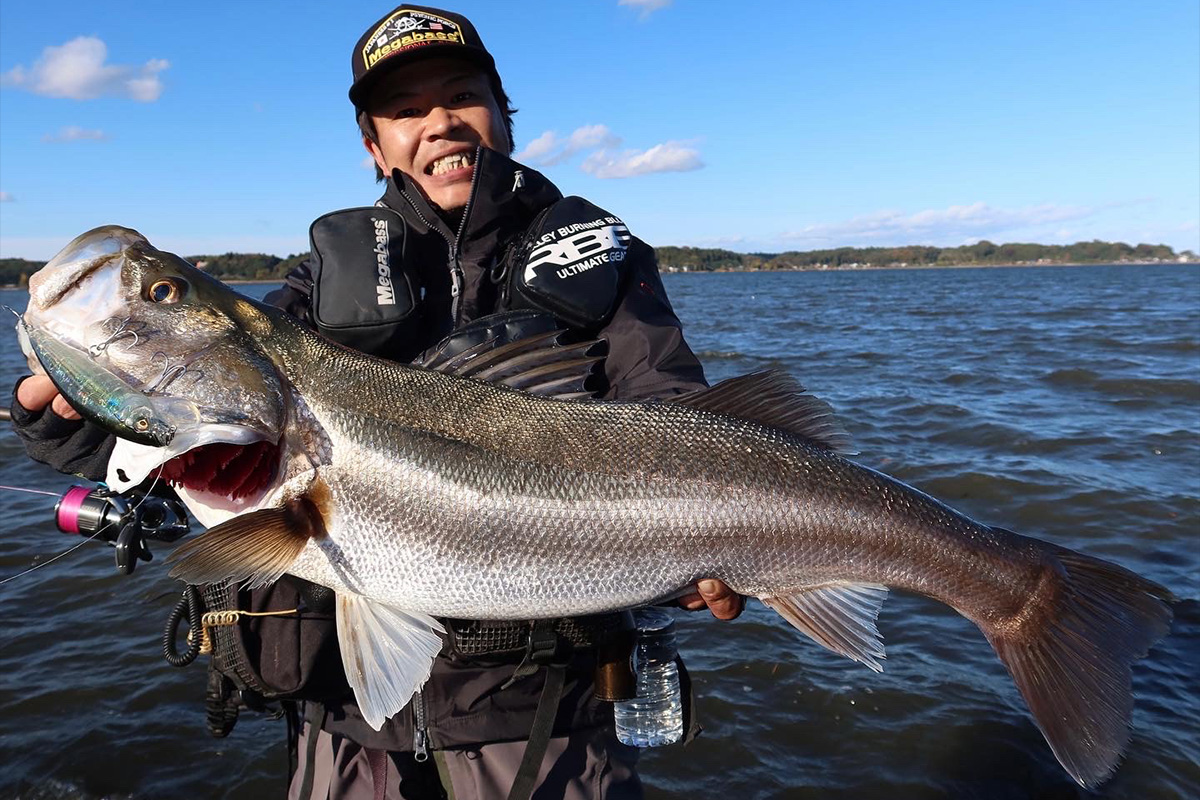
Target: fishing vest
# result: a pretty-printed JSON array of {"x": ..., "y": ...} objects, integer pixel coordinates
[{"x": 393, "y": 279}]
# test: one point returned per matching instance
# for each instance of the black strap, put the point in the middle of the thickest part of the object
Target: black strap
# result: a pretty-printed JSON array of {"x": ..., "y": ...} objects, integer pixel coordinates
[
  {"x": 293, "y": 740},
  {"x": 691, "y": 725},
  {"x": 314, "y": 715},
  {"x": 539, "y": 736},
  {"x": 544, "y": 646}
]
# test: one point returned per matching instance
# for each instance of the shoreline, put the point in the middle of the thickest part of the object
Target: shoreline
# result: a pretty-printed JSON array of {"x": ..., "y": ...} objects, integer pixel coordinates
[
  {"x": 872, "y": 268},
  {"x": 859, "y": 268}
]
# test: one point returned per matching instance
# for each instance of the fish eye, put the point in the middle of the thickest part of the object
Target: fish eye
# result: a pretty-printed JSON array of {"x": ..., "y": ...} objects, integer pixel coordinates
[{"x": 167, "y": 290}]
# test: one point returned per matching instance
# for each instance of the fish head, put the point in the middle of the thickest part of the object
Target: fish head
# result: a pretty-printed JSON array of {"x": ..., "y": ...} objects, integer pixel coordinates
[{"x": 151, "y": 348}]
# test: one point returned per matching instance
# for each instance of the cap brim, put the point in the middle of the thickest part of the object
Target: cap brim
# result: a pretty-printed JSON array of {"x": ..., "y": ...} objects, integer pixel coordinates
[{"x": 363, "y": 86}]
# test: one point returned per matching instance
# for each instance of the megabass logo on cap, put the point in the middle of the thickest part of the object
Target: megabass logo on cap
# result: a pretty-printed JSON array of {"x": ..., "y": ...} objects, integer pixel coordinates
[{"x": 405, "y": 29}]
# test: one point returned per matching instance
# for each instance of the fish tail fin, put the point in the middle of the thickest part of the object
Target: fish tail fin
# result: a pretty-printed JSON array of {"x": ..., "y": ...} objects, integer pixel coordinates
[{"x": 1070, "y": 651}]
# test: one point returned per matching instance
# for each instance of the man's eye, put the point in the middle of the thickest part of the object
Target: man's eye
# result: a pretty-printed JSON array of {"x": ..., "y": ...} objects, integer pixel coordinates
[
  {"x": 463, "y": 97},
  {"x": 406, "y": 113}
]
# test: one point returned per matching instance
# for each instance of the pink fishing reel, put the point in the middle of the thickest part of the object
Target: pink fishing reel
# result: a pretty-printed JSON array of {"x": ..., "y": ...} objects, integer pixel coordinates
[{"x": 125, "y": 521}]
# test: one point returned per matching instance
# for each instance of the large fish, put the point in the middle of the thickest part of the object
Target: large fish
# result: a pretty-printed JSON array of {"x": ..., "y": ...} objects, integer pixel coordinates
[{"x": 416, "y": 494}]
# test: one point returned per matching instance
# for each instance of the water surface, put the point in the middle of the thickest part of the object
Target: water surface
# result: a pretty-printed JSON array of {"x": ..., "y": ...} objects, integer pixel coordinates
[{"x": 1063, "y": 403}]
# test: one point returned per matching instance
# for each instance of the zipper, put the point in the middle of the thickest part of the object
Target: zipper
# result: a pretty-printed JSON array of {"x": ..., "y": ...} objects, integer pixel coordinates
[
  {"x": 456, "y": 273},
  {"x": 420, "y": 732},
  {"x": 516, "y": 255}
]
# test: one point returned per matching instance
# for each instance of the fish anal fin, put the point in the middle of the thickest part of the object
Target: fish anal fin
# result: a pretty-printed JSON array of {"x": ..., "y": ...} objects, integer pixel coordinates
[
  {"x": 774, "y": 398},
  {"x": 387, "y": 654},
  {"x": 257, "y": 547},
  {"x": 838, "y": 616}
]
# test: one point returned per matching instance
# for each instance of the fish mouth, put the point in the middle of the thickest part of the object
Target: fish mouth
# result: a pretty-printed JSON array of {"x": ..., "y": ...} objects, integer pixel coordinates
[
  {"x": 232, "y": 471},
  {"x": 219, "y": 471}
]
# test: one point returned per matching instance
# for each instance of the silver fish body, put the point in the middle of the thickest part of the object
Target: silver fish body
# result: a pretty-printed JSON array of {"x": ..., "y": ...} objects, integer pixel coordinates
[
  {"x": 558, "y": 507},
  {"x": 416, "y": 494}
]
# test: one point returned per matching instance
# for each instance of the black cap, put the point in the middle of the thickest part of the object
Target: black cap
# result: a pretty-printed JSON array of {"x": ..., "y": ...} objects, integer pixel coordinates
[{"x": 409, "y": 34}]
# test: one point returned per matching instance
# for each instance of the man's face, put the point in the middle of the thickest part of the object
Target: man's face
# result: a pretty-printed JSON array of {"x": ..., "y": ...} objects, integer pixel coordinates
[{"x": 429, "y": 117}]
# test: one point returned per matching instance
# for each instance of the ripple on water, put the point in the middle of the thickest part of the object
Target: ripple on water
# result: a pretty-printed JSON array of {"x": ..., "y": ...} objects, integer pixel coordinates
[{"x": 1126, "y": 388}]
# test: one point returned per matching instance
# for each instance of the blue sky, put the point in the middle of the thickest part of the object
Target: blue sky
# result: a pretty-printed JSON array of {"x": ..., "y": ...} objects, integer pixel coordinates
[{"x": 756, "y": 126}]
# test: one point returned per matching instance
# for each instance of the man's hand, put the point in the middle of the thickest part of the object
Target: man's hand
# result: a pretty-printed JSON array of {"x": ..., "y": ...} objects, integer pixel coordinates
[
  {"x": 723, "y": 602},
  {"x": 38, "y": 391}
]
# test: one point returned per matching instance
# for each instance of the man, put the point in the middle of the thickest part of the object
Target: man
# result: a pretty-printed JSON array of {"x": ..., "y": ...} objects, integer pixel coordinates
[{"x": 462, "y": 232}]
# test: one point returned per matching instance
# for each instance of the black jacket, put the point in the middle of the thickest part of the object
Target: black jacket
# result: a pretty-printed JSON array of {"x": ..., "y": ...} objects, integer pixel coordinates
[{"x": 647, "y": 357}]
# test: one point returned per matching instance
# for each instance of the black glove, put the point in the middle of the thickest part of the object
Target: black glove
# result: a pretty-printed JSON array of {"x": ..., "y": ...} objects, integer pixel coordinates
[{"x": 71, "y": 446}]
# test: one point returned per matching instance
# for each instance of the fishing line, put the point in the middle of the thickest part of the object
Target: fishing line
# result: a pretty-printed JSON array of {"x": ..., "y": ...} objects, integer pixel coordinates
[
  {"x": 55, "y": 558},
  {"x": 31, "y": 491}
]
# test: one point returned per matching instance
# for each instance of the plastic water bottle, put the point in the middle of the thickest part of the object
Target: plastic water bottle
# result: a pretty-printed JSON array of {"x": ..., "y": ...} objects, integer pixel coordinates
[{"x": 655, "y": 716}]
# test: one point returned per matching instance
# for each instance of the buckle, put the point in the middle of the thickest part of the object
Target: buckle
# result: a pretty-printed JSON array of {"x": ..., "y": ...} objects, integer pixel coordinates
[{"x": 544, "y": 647}]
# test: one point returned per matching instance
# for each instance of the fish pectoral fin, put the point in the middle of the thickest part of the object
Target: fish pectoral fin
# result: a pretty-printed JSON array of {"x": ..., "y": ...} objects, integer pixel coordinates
[
  {"x": 258, "y": 547},
  {"x": 387, "y": 654},
  {"x": 838, "y": 616},
  {"x": 773, "y": 398}
]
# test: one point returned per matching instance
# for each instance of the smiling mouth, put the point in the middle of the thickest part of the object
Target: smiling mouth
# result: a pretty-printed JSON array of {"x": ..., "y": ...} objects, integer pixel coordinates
[{"x": 451, "y": 162}]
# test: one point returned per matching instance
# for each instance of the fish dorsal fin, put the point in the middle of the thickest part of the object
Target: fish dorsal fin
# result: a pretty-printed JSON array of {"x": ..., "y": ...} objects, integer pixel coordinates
[
  {"x": 838, "y": 616},
  {"x": 539, "y": 361},
  {"x": 257, "y": 547},
  {"x": 387, "y": 654},
  {"x": 773, "y": 398}
]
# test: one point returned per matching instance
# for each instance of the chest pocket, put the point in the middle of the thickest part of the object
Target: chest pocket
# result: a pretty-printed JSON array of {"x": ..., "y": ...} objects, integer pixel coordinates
[
  {"x": 365, "y": 295},
  {"x": 571, "y": 263}
]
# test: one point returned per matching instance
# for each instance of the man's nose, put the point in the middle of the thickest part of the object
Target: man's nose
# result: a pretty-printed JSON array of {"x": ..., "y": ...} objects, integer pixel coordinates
[{"x": 440, "y": 121}]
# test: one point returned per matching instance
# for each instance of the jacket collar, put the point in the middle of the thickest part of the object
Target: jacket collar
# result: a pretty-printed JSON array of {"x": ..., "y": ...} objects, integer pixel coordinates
[{"x": 505, "y": 197}]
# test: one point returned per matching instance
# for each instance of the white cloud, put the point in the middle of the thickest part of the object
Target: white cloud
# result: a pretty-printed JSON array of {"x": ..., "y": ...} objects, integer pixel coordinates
[
  {"x": 665, "y": 157},
  {"x": 74, "y": 133},
  {"x": 5, "y": 197},
  {"x": 646, "y": 7},
  {"x": 590, "y": 136},
  {"x": 368, "y": 163},
  {"x": 606, "y": 161},
  {"x": 934, "y": 226},
  {"x": 76, "y": 70},
  {"x": 549, "y": 149},
  {"x": 539, "y": 148}
]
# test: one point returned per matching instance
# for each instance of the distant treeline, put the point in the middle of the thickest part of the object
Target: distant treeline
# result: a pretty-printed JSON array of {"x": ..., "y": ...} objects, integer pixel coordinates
[
  {"x": 230, "y": 266},
  {"x": 247, "y": 266},
  {"x": 985, "y": 252},
  {"x": 258, "y": 266}
]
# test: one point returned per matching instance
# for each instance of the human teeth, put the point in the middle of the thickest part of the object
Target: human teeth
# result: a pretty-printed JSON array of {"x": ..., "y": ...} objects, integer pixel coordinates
[{"x": 450, "y": 162}]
